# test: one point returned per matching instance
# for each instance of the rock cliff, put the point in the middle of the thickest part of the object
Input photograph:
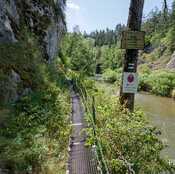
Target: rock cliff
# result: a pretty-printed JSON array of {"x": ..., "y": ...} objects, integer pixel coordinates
[
  {"x": 23, "y": 23},
  {"x": 45, "y": 18}
]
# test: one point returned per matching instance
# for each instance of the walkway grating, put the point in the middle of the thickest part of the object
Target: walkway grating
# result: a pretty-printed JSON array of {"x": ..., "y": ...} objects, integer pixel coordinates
[{"x": 82, "y": 159}]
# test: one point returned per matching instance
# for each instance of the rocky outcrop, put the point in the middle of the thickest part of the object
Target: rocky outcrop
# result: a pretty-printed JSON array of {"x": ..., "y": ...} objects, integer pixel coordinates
[
  {"x": 43, "y": 18},
  {"x": 171, "y": 64},
  {"x": 11, "y": 88},
  {"x": 8, "y": 13}
]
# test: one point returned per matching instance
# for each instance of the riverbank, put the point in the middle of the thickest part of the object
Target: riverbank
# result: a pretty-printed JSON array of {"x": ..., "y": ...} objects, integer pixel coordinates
[
  {"x": 158, "y": 82},
  {"x": 121, "y": 131},
  {"x": 160, "y": 112}
]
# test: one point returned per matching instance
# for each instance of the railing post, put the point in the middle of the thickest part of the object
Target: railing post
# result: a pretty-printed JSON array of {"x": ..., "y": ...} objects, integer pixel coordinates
[{"x": 93, "y": 110}]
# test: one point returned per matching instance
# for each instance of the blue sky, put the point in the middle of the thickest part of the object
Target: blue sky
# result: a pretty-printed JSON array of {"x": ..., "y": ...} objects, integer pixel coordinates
[{"x": 99, "y": 14}]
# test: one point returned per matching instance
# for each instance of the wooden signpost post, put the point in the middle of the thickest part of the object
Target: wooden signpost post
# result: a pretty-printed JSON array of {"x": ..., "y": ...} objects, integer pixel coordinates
[{"x": 132, "y": 41}]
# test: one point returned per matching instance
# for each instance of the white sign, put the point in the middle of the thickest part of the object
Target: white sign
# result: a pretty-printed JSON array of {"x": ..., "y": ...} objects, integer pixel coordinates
[{"x": 130, "y": 82}]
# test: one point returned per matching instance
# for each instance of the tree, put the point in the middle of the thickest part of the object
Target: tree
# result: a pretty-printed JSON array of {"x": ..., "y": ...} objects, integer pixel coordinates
[
  {"x": 79, "y": 53},
  {"x": 134, "y": 23},
  {"x": 173, "y": 13},
  {"x": 165, "y": 6},
  {"x": 76, "y": 29}
]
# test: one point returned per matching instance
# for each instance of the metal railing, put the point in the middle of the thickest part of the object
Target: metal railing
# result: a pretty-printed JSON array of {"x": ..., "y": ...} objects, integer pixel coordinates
[{"x": 91, "y": 112}]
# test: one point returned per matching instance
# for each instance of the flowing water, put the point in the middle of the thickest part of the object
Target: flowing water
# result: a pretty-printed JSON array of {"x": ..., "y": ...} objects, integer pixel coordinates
[{"x": 161, "y": 113}]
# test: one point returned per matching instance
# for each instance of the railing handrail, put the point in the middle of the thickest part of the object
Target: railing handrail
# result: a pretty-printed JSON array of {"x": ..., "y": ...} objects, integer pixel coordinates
[{"x": 101, "y": 159}]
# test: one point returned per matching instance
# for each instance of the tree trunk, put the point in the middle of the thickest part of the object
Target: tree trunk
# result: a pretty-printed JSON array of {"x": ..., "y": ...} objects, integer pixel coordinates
[{"x": 131, "y": 56}]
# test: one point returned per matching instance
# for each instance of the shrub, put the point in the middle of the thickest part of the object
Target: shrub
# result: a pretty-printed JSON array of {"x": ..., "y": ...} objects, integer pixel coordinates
[
  {"x": 111, "y": 76},
  {"x": 25, "y": 58},
  {"x": 156, "y": 38},
  {"x": 144, "y": 72},
  {"x": 143, "y": 83},
  {"x": 128, "y": 142},
  {"x": 160, "y": 82},
  {"x": 144, "y": 69},
  {"x": 37, "y": 131},
  {"x": 169, "y": 39},
  {"x": 79, "y": 53},
  {"x": 111, "y": 57}
]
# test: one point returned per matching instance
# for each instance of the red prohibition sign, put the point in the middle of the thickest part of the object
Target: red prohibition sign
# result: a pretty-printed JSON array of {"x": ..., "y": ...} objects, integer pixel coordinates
[{"x": 130, "y": 78}]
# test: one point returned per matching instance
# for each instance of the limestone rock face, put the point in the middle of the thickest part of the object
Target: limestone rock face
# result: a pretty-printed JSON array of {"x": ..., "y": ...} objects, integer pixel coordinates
[
  {"x": 9, "y": 87},
  {"x": 171, "y": 64},
  {"x": 8, "y": 15},
  {"x": 43, "y": 18},
  {"x": 51, "y": 43}
]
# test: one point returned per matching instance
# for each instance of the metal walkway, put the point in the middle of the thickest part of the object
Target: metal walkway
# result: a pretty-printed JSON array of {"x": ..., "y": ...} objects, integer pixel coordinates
[{"x": 81, "y": 159}]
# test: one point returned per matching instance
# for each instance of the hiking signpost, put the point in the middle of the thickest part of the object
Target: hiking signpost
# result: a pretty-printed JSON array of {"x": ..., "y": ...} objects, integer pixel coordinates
[{"x": 132, "y": 41}]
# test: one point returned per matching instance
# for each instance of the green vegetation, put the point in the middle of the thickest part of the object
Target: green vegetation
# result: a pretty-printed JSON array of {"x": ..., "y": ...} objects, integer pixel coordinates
[
  {"x": 110, "y": 57},
  {"x": 37, "y": 132},
  {"x": 159, "y": 47},
  {"x": 34, "y": 134},
  {"x": 159, "y": 30},
  {"x": 112, "y": 76},
  {"x": 77, "y": 53},
  {"x": 128, "y": 143},
  {"x": 159, "y": 82},
  {"x": 106, "y": 37},
  {"x": 23, "y": 57}
]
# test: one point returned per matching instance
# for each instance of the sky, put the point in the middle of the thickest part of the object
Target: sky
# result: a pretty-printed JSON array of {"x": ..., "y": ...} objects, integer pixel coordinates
[{"x": 100, "y": 14}]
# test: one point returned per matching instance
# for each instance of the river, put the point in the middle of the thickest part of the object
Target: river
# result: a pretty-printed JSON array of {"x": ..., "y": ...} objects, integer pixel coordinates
[
  {"x": 161, "y": 113},
  {"x": 159, "y": 110}
]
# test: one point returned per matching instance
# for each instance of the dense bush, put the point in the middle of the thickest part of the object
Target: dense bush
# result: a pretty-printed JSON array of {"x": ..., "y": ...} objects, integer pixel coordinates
[
  {"x": 129, "y": 144},
  {"x": 144, "y": 72},
  {"x": 160, "y": 82},
  {"x": 168, "y": 41},
  {"x": 111, "y": 57},
  {"x": 34, "y": 137},
  {"x": 112, "y": 76},
  {"x": 78, "y": 53},
  {"x": 37, "y": 131}
]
